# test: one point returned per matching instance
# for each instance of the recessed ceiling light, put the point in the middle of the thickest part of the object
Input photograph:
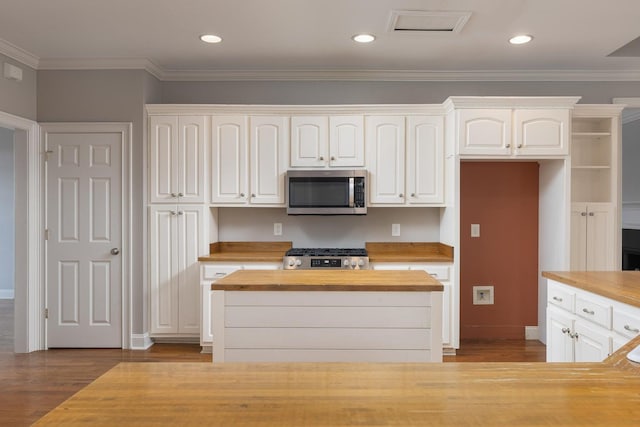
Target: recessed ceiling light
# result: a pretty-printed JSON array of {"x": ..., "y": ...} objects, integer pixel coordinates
[
  {"x": 520, "y": 39},
  {"x": 210, "y": 38},
  {"x": 363, "y": 38}
]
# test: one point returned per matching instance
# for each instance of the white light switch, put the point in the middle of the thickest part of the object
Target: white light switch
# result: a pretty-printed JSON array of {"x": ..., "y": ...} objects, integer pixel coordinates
[
  {"x": 277, "y": 229},
  {"x": 475, "y": 230},
  {"x": 395, "y": 230}
]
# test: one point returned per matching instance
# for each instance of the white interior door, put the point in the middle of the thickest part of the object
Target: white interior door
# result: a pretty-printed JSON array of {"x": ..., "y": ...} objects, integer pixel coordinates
[{"x": 84, "y": 281}]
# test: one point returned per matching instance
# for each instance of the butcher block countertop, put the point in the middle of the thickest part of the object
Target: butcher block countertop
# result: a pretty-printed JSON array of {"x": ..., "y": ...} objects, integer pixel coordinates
[
  {"x": 357, "y": 394},
  {"x": 623, "y": 286},
  {"x": 334, "y": 280},
  {"x": 246, "y": 251},
  {"x": 409, "y": 252}
]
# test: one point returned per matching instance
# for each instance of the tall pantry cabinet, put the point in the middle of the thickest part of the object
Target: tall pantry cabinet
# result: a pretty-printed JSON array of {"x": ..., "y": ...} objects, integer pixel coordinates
[
  {"x": 595, "y": 188},
  {"x": 177, "y": 224}
]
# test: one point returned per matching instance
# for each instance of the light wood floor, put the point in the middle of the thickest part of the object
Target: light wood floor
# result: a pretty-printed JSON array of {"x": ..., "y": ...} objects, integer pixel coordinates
[{"x": 33, "y": 384}]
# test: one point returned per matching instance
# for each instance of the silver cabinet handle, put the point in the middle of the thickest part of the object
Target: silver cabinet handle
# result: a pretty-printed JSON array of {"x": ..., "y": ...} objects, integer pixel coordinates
[
  {"x": 115, "y": 251},
  {"x": 630, "y": 329},
  {"x": 557, "y": 299},
  {"x": 566, "y": 331},
  {"x": 574, "y": 336},
  {"x": 591, "y": 312}
]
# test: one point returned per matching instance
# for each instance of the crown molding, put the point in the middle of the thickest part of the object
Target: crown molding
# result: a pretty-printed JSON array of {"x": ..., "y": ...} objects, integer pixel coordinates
[
  {"x": 164, "y": 74},
  {"x": 19, "y": 54},
  {"x": 456, "y": 102}
]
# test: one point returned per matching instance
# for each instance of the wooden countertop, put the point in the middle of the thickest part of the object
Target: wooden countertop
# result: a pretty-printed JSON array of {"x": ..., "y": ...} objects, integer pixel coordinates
[
  {"x": 623, "y": 286},
  {"x": 246, "y": 251},
  {"x": 350, "y": 394},
  {"x": 334, "y": 280},
  {"x": 409, "y": 252}
]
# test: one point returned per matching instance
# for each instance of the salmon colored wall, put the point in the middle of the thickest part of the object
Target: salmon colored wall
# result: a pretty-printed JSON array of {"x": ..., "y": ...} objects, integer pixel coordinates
[{"x": 503, "y": 198}]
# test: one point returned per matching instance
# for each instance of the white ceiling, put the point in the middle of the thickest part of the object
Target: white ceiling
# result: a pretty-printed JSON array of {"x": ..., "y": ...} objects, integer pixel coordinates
[{"x": 312, "y": 38}]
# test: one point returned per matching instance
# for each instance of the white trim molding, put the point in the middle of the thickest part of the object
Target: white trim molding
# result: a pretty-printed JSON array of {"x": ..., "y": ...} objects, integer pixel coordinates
[
  {"x": 140, "y": 341},
  {"x": 19, "y": 54}
]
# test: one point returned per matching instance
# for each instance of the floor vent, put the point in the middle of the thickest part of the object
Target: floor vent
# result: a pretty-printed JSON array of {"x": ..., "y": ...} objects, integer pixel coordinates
[{"x": 427, "y": 22}]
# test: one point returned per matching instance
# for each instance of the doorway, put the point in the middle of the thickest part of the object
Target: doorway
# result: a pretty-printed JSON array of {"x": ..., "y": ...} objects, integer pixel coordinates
[{"x": 7, "y": 239}]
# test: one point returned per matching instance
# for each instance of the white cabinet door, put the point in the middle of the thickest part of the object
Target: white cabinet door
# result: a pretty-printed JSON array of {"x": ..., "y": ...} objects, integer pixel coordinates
[
  {"x": 309, "y": 141},
  {"x": 559, "y": 342},
  {"x": 578, "y": 236},
  {"x": 192, "y": 242},
  {"x": 425, "y": 160},
  {"x": 177, "y": 159},
  {"x": 163, "y": 268},
  {"x": 177, "y": 238},
  {"x": 590, "y": 344},
  {"x": 385, "y": 142},
  {"x": 209, "y": 273},
  {"x": 484, "y": 132},
  {"x": 191, "y": 158},
  {"x": 541, "y": 132},
  {"x": 163, "y": 162},
  {"x": 229, "y": 160},
  {"x": 346, "y": 141},
  {"x": 269, "y": 153},
  {"x": 600, "y": 237}
]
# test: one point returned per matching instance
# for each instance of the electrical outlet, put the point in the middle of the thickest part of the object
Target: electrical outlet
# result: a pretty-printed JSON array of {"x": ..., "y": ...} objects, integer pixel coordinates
[
  {"x": 482, "y": 295},
  {"x": 395, "y": 230},
  {"x": 277, "y": 229},
  {"x": 475, "y": 230}
]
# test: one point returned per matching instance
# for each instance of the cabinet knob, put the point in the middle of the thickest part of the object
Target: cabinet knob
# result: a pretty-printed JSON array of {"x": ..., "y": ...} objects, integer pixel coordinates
[
  {"x": 400, "y": 195},
  {"x": 583, "y": 214},
  {"x": 253, "y": 195},
  {"x": 591, "y": 214},
  {"x": 333, "y": 157},
  {"x": 519, "y": 145},
  {"x": 413, "y": 194},
  {"x": 180, "y": 212},
  {"x": 508, "y": 145},
  {"x": 180, "y": 195},
  {"x": 115, "y": 251},
  {"x": 241, "y": 194},
  {"x": 321, "y": 157},
  {"x": 566, "y": 331},
  {"x": 173, "y": 213},
  {"x": 174, "y": 195}
]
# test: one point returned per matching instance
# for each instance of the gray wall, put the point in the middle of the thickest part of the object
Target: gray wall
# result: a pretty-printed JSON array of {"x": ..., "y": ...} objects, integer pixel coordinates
[
  {"x": 416, "y": 224},
  {"x": 7, "y": 217},
  {"x": 631, "y": 162},
  {"x": 106, "y": 96},
  {"x": 382, "y": 92},
  {"x": 18, "y": 98}
]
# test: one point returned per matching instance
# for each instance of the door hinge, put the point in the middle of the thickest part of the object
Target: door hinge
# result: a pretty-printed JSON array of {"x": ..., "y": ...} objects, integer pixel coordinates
[
  {"x": 46, "y": 313},
  {"x": 46, "y": 234}
]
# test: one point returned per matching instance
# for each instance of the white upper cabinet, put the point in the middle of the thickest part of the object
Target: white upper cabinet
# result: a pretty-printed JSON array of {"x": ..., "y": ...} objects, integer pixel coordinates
[
  {"x": 513, "y": 132},
  {"x": 425, "y": 160},
  {"x": 385, "y": 141},
  {"x": 484, "y": 132},
  {"x": 177, "y": 159},
  {"x": 229, "y": 159},
  {"x": 541, "y": 132},
  {"x": 268, "y": 165},
  {"x": 321, "y": 141}
]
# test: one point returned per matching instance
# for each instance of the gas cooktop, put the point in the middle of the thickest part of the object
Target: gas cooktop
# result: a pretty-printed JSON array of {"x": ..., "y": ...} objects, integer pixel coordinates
[{"x": 328, "y": 258}]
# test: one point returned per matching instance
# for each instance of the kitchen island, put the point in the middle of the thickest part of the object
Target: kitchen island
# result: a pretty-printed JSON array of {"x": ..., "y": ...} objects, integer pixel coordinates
[{"x": 327, "y": 316}]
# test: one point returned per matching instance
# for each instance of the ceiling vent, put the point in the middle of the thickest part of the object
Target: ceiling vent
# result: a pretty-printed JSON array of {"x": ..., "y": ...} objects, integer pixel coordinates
[{"x": 427, "y": 22}]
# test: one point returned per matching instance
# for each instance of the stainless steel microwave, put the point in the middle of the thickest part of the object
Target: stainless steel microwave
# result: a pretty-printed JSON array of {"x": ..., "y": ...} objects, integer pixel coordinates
[{"x": 326, "y": 192}]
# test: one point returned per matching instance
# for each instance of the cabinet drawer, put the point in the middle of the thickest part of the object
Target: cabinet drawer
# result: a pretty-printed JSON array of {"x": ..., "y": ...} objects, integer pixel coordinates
[
  {"x": 215, "y": 272},
  {"x": 626, "y": 324},
  {"x": 439, "y": 272},
  {"x": 561, "y": 298},
  {"x": 595, "y": 312}
]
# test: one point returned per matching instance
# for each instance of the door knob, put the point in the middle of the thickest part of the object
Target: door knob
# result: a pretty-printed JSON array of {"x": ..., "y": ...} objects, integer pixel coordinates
[{"x": 115, "y": 251}]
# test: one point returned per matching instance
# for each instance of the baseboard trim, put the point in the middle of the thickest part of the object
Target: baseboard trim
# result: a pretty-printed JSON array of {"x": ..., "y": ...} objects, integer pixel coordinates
[
  {"x": 531, "y": 333},
  {"x": 141, "y": 341},
  {"x": 7, "y": 294}
]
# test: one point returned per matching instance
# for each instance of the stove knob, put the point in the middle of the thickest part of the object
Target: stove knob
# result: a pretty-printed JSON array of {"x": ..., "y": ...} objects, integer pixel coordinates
[
  {"x": 360, "y": 262},
  {"x": 353, "y": 263},
  {"x": 346, "y": 262},
  {"x": 291, "y": 262},
  {"x": 298, "y": 262}
]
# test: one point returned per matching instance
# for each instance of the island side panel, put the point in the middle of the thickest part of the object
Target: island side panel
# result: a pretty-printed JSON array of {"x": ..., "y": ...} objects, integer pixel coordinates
[
  {"x": 217, "y": 319},
  {"x": 344, "y": 326}
]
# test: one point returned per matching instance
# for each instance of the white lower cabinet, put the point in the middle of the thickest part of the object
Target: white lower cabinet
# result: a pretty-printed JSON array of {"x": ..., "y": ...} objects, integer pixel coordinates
[
  {"x": 176, "y": 240},
  {"x": 585, "y": 327},
  {"x": 444, "y": 274},
  {"x": 209, "y": 273}
]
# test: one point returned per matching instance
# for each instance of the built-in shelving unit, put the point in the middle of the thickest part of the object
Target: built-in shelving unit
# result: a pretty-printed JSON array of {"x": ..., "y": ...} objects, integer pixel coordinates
[{"x": 591, "y": 160}]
